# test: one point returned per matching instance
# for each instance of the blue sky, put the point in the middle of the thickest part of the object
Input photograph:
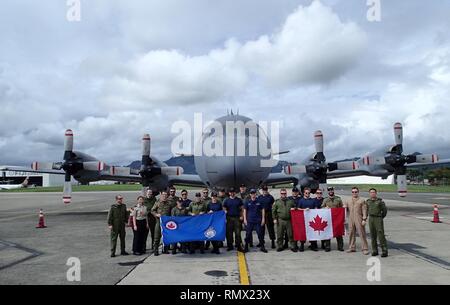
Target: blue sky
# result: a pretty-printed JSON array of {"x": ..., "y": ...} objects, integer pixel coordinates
[{"x": 134, "y": 67}]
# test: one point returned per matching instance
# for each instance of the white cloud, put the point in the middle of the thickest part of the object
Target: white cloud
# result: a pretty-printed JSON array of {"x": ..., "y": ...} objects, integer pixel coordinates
[
  {"x": 313, "y": 46},
  {"x": 134, "y": 67}
]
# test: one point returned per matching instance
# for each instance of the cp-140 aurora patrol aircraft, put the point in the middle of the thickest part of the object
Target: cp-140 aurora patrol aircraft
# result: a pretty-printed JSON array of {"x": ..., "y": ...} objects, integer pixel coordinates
[{"x": 226, "y": 171}]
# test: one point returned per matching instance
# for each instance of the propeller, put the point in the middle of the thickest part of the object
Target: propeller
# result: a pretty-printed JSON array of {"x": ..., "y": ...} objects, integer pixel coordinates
[
  {"x": 150, "y": 169},
  {"x": 71, "y": 165},
  {"x": 317, "y": 168},
  {"x": 395, "y": 160}
]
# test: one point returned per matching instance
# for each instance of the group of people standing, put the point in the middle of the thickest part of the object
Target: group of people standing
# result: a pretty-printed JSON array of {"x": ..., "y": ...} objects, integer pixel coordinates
[{"x": 245, "y": 210}]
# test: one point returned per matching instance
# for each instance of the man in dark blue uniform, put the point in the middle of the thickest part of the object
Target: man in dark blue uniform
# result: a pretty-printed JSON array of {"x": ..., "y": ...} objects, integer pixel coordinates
[
  {"x": 319, "y": 198},
  {"x": 214, "y": 205},
  {"x": 254, "y": 219},
  {"x": 295, "y": 195},
  {"x": 307, "y": 203},
  {"x": 185, "y": 201},
  {"x": 233, "y": 207},
  {"x": 267, "y": 200}
]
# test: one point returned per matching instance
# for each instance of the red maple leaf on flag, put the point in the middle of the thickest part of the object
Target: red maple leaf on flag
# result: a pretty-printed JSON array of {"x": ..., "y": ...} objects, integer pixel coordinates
[{"x": 318, "y": 224}]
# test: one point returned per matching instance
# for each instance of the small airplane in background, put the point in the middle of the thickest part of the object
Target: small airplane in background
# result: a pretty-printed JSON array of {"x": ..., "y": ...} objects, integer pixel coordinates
[{"x": 24, "y": 184}]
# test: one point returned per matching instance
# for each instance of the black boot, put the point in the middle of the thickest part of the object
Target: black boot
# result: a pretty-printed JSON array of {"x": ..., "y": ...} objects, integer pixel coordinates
[
  {"x": 273, "y": 244},
  {"x": 174, "y": 250},
  {"x": 263, "y": 249},
  {"x": 302, "y": 247},
  {"x": 156, "y": 252},
  {"x": 245, "y": 248},
  {"x": 165, "y": 250}
]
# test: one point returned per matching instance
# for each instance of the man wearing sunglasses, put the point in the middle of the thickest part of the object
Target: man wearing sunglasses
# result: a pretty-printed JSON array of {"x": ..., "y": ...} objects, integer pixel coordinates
[
  {"x": 307, "y": 203},
  {"x": 149, "y": 202},
  {"x": 173, "y": 197},
  {"x": 185, "y": 201},
  {"x": 117, "y": 218},
  {"x": 162, "y": 207},
  {"x": 357, "y": 218},
  {"x": 377, "y": 212},
  {"x": 281, "y": 212},
  {"x": 205, "y": 196},
  {"x": 333, "y": 201},
  {"x": 233, "y": 207}
]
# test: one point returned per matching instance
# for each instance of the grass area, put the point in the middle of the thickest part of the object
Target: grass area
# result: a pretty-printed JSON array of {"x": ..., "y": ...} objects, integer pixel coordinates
[{"x": 85, "y": 188}]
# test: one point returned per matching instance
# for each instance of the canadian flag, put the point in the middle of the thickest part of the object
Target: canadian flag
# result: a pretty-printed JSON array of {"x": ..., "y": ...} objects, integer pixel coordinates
[{"x": 321, "y": 224}]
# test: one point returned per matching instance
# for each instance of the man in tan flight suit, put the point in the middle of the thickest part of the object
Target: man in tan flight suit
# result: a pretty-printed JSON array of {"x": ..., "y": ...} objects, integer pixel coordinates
[{"x": 357, "y": 211}]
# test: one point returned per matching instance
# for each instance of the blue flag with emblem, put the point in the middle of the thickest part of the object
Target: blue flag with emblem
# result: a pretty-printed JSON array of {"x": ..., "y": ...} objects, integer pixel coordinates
[{"x": 178, "y": 229}]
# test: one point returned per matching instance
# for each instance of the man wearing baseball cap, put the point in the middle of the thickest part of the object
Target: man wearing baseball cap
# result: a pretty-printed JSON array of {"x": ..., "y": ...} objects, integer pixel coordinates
[
  {"x": 233, "y": 207},
  {"x": 254, "y": 219},
  {"x": 267, "y": 200}
]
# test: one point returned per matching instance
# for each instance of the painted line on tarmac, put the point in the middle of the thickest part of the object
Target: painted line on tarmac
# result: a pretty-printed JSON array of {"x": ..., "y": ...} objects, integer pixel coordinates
[
  {"x": 33, "y": 253},
  {"x": 244, "y": 277},
  {"x": 414, "y": 250}
]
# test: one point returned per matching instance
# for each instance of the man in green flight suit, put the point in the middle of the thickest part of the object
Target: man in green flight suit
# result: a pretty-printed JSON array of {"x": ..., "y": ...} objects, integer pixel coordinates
[
  {"x": 197, "y": 207},
  {"x": 205, "y": 196},
  {"x": 173, "y": 198},
  {"x": 117, "y": 218},
  {"x": 149, "y": 202},
  {"x": 281, "y": 213},
  {"x": 377, "y": 212},
  {"x": 162, "y": 207},
  {"x": 333, "y": 201}
]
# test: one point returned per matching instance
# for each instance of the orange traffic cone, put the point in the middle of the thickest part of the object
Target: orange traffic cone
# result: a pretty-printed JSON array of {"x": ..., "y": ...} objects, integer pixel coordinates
[
  {"x": 41, "y": 223},
  {"x": 436, "y": 214}
]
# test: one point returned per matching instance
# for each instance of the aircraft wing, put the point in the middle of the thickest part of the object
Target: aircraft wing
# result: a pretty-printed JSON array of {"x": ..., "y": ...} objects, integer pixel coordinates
[
  {"x": 281, "y": 178},
  {"x": 346, "y": 173},
  {"x": 25, "y": 169},
  {"x": 188, "y": 180}
]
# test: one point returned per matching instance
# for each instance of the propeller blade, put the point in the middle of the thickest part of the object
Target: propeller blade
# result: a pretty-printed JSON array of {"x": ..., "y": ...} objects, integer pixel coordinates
[
  {"x": 43, "y": 166},
  {"x": 295, "y": 169},
  {"x": 119, "y": 171},
  {"x": 347, "y": 165},
  {"x": 94, "y": 166},
  {"x": 401, "y": 185},
  {"x": 398, "y": 133},
  {"x": 68, "y": 144},
  {"x": 172, "y": 170},
  {"x": 431, "y": 158},
  {"x": 373, "y": 160},
  {"x": 146, "y": 161},
  {"x": 67, "y": 193},
  {"x": 318, "y": 141}
]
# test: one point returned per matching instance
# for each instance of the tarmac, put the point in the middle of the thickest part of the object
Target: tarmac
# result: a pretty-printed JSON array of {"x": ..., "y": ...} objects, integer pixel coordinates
[{"x": 419, "y": 249}]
